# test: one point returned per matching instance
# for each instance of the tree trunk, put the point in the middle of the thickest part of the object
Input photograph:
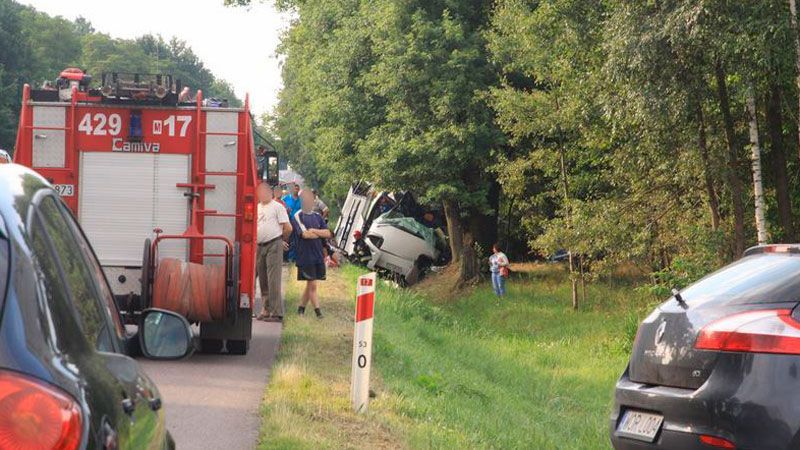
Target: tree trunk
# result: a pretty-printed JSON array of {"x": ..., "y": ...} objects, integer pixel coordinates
[
  {"x": 461, "y": 244},
  {"x": 468, "y": 264},
  {"x": 755, "y": 157},
  {"x": 711, "y": 192},
  {"x": 567, "y": 208},
  {"x": 583, "y": 281},
  {"x": 778, "y": 161},
  {"x": 565, "y": 184},
  {"x": 796, "y": 36},
  {"x": 733, "y": 160},
  {"x": 454, "y": 230},
  {"x": 484, "y": 226},
  {"x": 509, "y": 218}
]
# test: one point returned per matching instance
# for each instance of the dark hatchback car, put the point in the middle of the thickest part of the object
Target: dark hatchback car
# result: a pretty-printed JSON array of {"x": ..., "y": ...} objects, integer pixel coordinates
[
  {"x": 66, "y": 380},
  {"x": 718, "y": 364}
]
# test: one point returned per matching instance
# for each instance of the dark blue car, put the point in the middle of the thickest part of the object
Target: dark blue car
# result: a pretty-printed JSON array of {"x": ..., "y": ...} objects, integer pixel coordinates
[{"x": 66, "y": 378}]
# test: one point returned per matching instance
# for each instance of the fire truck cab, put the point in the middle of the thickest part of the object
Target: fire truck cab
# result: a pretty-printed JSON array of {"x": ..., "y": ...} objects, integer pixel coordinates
[{"x": 164, "y": 187}]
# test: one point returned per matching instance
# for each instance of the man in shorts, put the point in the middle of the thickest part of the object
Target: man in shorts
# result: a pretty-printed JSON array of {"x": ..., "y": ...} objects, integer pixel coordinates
[{"x": 311, "y": 231}]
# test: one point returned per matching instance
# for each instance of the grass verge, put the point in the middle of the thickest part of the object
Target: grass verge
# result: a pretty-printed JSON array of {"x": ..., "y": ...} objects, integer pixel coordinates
[{"x": 455, "y": 370}]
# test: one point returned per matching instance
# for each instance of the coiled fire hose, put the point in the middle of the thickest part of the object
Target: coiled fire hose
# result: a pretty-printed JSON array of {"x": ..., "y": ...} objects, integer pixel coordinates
[{"x": 195, "y": 291}]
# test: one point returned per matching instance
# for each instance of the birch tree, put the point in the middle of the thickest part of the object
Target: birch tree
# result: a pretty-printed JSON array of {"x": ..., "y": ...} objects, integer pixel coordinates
[
  {"x": 755, "y": 158},
  {"x": 796, "y": 36}
]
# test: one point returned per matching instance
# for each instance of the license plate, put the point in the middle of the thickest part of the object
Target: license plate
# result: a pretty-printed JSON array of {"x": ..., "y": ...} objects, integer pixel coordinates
[
  {"x": 65, "y": 190},
  {"x": 640, "y": 425}
]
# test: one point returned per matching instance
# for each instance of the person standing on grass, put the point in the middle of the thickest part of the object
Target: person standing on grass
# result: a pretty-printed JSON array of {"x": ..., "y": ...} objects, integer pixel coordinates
[
  {"x": 498, "y": 264},
  {"x": 273, "y": 229},
  {"x": 293, "y": 204},
  {"x": 310, "y": 232},
  {"x": 292, "y": 199}
]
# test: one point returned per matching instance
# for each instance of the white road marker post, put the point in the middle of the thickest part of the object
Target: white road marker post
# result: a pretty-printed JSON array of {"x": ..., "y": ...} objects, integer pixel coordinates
[{"x": 362, "y": 342}]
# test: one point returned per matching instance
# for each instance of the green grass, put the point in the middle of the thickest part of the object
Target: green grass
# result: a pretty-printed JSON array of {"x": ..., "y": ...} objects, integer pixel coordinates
[{"x": 463, "y": 371}]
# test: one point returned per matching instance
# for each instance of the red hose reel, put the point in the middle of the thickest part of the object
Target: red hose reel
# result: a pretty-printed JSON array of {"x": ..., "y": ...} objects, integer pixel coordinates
[
  {"x": 195, "y": 291},
  {"x": 199, "y": 292}
]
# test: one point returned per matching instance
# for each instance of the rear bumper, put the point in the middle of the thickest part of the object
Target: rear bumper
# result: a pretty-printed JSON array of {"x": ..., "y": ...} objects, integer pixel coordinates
[
  {"x": 666, "y": 440},
  {"x": 679, "y": 430},
  {"x": 750, "y": 400}
]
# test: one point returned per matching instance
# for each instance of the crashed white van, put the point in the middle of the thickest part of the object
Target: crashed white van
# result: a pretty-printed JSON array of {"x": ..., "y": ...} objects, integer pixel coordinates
[{"x": 388, "y": 233}]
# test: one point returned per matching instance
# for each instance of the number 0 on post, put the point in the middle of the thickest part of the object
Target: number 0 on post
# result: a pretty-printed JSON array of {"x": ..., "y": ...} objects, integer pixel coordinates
[{"x": 362, "y": 342}]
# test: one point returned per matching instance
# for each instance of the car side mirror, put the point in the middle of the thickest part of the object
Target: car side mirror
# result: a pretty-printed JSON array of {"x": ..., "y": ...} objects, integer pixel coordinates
[{"x": 164, "y": 335}]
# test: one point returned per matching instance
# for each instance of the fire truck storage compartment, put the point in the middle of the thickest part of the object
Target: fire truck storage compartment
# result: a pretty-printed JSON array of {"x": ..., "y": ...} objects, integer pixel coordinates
[
  {"x": 123, "y": 197},
  {"x": 49, "y": 143}
]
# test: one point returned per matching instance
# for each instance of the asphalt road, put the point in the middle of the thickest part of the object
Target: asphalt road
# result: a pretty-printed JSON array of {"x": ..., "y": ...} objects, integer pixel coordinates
[{"x": 212, "y": 401}]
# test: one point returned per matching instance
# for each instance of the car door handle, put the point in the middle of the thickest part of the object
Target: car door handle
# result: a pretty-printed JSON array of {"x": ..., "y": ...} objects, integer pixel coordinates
[{"x": 129, "y": 406}]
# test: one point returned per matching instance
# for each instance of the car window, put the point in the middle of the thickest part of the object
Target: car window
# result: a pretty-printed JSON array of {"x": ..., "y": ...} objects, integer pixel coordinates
[
  {"x": 64, "y": 266},
  {"x": 762, "y": 278},
  {"x": 106, "y": 296}
]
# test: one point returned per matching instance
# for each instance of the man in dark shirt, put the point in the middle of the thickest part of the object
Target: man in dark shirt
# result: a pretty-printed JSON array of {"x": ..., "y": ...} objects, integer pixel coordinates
[{"x": 311, "y": 231}]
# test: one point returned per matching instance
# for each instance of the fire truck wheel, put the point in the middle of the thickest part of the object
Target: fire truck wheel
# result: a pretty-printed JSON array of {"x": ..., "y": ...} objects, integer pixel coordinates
[
  {"x": 147, "y": 276},
  {"x": 238, "y": 346},
  {"x": 210, "y": 345}
]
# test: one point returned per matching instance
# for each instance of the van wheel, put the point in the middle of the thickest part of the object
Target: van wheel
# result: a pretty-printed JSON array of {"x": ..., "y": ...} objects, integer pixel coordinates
[
  {"x": 210, "y": 345},
  {"x": 238, "y": 346},
  {"x": 412, "y": 277},
  {"x": 422, "y": 264}
]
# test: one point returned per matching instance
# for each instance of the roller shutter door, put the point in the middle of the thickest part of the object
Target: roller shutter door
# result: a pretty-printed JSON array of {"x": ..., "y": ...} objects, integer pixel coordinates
[{"x": 123, "y": 197}]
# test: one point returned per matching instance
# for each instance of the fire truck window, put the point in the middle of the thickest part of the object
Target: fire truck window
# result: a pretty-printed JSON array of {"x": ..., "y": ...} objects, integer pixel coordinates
[{"x": 75, "y": 274}]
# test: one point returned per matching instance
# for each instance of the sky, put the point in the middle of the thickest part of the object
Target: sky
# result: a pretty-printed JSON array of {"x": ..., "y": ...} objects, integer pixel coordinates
[{"x": 236, "y": 44}]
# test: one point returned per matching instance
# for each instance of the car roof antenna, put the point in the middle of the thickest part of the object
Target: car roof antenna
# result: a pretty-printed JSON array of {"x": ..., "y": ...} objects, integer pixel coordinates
[{"x": 677, "y": 294}]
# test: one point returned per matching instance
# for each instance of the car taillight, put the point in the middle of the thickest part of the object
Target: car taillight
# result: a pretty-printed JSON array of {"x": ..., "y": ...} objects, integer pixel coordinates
[
  {"x": 766, "y": 331},
  {"x": 36, "y": 416},
  {"x": 717, "y": 442}
]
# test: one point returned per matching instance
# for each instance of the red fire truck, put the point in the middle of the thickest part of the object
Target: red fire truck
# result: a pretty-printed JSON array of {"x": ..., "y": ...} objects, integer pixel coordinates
[{"x": 164, "y": 187}]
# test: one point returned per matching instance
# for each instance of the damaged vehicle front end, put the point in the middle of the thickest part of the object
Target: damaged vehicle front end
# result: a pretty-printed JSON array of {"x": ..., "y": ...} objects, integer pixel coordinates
[{"x": 391, "y": 234}]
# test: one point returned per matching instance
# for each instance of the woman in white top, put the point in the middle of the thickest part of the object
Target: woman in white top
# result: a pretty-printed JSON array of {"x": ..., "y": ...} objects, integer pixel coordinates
[{"x": 498, "y": 264}]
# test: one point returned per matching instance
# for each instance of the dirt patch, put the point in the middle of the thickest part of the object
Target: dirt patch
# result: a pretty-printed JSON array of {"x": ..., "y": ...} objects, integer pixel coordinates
[{"x": 442, "y": 286}]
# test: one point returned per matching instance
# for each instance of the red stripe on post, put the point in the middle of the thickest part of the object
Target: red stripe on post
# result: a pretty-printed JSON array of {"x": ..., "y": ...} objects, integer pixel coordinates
[{"x": 364, "y": 306}]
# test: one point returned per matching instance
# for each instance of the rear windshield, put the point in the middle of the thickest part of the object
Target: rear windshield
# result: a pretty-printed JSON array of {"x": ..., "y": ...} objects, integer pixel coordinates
[{"x": 762, "y": 278}]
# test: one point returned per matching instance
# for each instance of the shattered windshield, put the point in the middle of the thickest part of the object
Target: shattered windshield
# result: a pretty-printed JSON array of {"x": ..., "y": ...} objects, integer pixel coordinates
[{"x": 409, "y": 225}]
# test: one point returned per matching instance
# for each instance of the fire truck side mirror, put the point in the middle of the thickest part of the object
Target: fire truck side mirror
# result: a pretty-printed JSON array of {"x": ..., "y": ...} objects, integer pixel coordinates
[{"x": 272, "y": 172}]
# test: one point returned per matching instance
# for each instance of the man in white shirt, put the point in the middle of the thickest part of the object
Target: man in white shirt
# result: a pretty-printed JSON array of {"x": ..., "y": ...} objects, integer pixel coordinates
[{"x": 273, "y": 229}]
